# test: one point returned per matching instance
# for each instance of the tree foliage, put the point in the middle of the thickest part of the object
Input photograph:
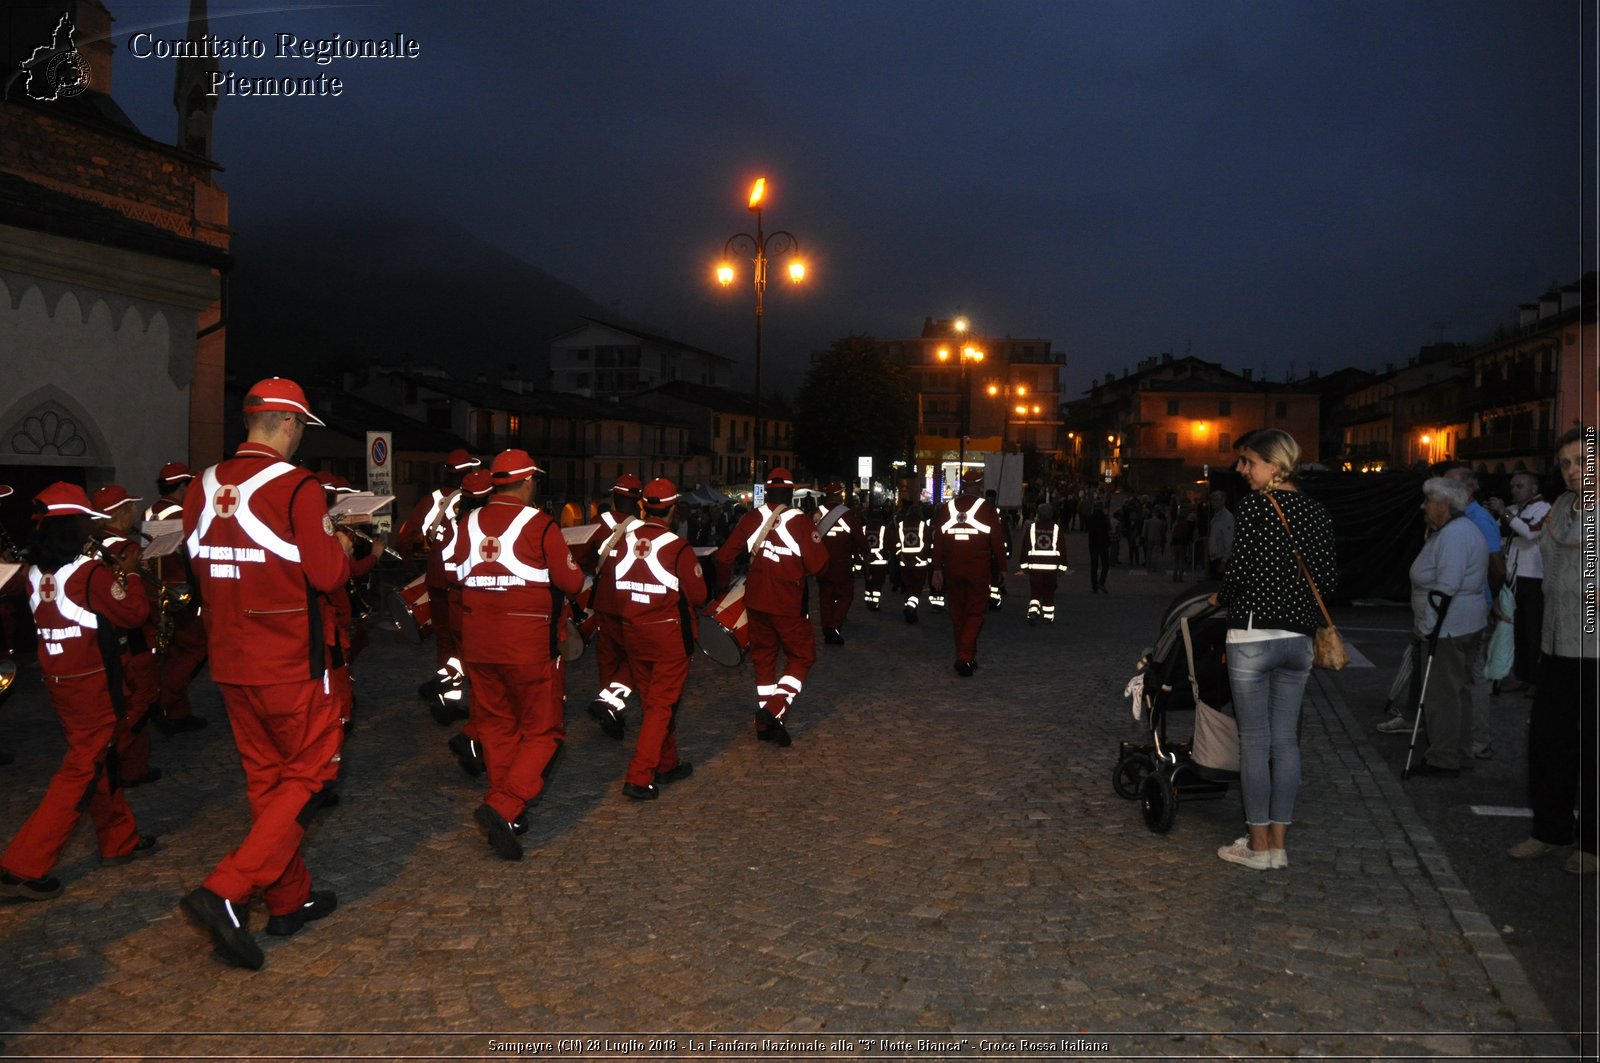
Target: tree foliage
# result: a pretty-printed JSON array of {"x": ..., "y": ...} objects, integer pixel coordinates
[{"x": 855, "y": 400}]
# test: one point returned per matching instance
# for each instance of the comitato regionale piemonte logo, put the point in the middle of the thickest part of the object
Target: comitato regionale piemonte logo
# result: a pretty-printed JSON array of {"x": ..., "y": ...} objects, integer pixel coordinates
[{"x": 56, "y": 71}]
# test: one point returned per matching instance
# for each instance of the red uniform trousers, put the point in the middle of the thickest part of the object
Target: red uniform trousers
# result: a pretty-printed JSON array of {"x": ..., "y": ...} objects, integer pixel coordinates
[
  {"x": 446, "y": 636},
  {"x": 289, "y": 737},
  {"x": 873, "y": 579},
  {"x": 89, "y": 721},
  {"x": 186, "y": 652},
  {"x": 1042, "y": 586},
  {"x": 834, "y": 603},
  {"x": 912, "y": 578},
  {"x": 793, "y": 634},
  {"x": 660, "y": 687},
  {"x": 452, "y": 620},
  {"x": 520, "y": 720},
  {"x": 967, "y": 599},
  {"x": 610, "y": 656},
  {"x": 142, "y": 672}
]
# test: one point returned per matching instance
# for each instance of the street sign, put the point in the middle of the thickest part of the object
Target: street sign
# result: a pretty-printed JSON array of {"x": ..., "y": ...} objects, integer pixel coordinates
[{"x": 380, "y": 472}]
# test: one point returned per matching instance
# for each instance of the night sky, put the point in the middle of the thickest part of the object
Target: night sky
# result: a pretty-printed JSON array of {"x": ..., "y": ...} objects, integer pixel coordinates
[{"x": 1281, "y": 185}]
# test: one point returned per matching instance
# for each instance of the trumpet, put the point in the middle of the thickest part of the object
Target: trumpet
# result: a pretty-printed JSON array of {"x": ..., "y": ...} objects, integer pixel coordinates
[
  {"x": 368, "y": 537},
  {"x": 8, "y": 673}
]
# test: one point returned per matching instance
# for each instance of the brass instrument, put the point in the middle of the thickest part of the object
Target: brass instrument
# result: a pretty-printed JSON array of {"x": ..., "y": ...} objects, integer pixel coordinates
[
  {"x": 8, "y": 674},
  {"x": 171, "y": 599},
  {"x": 355, "y": 530}
]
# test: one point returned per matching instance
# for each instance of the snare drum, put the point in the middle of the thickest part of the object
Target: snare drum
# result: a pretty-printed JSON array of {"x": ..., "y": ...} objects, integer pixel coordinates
[
  {"x": 578, "y": 623},
  {"x": 411, "y": 609},
  {"x": 724, "y": 634}
]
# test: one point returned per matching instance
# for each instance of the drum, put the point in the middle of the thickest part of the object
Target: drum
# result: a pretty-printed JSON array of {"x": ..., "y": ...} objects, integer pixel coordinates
[
  {"x": 411, "y": 610},
  {"x": 579, "y": 622},
  {"x": 724, "y": 636}
]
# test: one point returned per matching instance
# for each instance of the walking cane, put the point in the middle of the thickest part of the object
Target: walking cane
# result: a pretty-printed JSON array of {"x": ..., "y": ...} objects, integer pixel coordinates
[{"x": 1441, "y": 604}]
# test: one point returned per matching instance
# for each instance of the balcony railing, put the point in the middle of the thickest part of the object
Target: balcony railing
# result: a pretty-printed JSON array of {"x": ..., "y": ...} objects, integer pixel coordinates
[{"x": 1535, "y": 441}]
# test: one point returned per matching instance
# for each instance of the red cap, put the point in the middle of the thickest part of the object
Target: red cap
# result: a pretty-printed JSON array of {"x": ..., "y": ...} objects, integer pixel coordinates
[
  {"x": 513, "y": 466},
  {"x": 780, "y": 477},
  {"x": 477, "y": 483},
  {"x": 61, "y": 498},
  {"x": 280, "y": 395},
  {"x": 174, "y": 472},
  {"x": 833, "y": 489},
  {"x": 5, "y": 491},
  {"x": 628, "y": 486},
  {"x": 460, "y": 461},
  {"x": 972, "y": 476},
  {"x": 109, "y": 497},
  {"x": 660, "y": 492},
  {"x": 332, "y": 481}
]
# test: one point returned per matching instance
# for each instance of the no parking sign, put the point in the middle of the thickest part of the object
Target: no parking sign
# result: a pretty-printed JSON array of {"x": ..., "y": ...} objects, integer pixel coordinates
[{"x": 380, "y": 469}]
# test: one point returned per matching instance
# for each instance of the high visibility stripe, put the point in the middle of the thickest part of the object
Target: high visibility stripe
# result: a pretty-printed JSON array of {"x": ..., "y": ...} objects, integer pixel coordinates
[
  {"x": 652, "y": 560},
  {"x": 507, "y": 557},
  {"x": 960, "y": 520},
  {"x": 69, "y": 609},
  {"x": 254, "y": 530}
]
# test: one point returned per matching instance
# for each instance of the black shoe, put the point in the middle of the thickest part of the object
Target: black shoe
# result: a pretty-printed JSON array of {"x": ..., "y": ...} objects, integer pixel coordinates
[
  {"x": 502, "y": 839},
  {"x": 833, "y": 636},
  {"x": 911, "y": 616},
  {"x": 647, "y": 792},
  {"x": 321, "y": 903},
  {"x": 30, "y": 889},
  {"x": 326, "y": 799},
  {"x": 964, "y": 668},
  {"x": 170, "y": 727},
  {"x": 682, "y": 771},
  {"x": 609, "y": 719},
  {"x": 1424, "y": 768},
  {"x": 429, "y": 688},
  {"x": 771, "y": 729},
  {"x": 153, "y": 775},
  {"x": 466, "y": 751},
  {"x": 230, "y": 936},
  {"x": 519, "y": 827},
  {"x": 145, "y": 846}
]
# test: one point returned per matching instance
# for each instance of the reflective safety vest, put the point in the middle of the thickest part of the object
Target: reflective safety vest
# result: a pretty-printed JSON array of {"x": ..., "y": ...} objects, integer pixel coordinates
[
  {"x": 68, "y": 630},
  {"x": 875, "y": 534},
  {"x": 491, "y": 562},
  {"x": 913, "y": 543},
  {"x": 962, "y": 524},
  {"x": 1043, "y": 548}
]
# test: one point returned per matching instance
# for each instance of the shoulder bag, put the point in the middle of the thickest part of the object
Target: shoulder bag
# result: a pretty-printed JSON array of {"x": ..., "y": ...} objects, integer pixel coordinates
[{"x": 1327, "y": 645}]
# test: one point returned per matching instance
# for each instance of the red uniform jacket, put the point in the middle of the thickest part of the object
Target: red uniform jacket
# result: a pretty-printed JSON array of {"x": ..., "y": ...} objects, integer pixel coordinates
[
  {"x": 76, "y": 610},
  {"x": 1044, "y": 548},
  {"x": 588, "y": 554},
  {"x": 431, "y": 524},
  {"x": 508, "y": 561},
  {"x": 845, "y": 544},
  {"x": 791, "y": 551},
  {"x": 970, "y": 540},
  {"x": 261, "y": 547},
  {"x": 652, "y": 580}
]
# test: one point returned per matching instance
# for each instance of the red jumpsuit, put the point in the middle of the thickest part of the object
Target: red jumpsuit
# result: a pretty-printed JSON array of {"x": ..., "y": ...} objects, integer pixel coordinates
[
  {"x": 186, "y": 642},
  {"x": 141, "y": 680},
  {"x": 346, "y": 635},
  {"x": 432, "y": 522},
  {"x": 836, "y": 583},
  {"x": 651, "y": 582},
  {"x": 610, "y": 655},
  {"x": 74, "y": 608},
  {"x": 510, "y": 558},
  {"x": 913, "y": 552},
  {"x": 969, "y": 549},
  {"x": 261, "y": 547},
  {"x": 775, "y": 601},
  {"x": 1044, "y": 558}
]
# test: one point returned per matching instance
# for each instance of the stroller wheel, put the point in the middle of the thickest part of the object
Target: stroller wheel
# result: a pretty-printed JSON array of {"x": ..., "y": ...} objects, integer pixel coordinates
[
  {"x": 1129, "y": 774},
  {"x": 1158, "y": 800}
]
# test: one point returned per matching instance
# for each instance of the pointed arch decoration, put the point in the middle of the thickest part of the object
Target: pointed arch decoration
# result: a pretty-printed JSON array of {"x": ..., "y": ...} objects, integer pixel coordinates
[{"x": 47, "y": 426}]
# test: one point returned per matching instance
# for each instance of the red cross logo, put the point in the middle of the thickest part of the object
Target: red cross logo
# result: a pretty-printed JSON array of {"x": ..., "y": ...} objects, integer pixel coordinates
[
  {"x": 641, "y": 548},
  {"x": 47, "y": 588},
  {"x": 226, "y": 500},
  {"x": 490, "y": 549}
]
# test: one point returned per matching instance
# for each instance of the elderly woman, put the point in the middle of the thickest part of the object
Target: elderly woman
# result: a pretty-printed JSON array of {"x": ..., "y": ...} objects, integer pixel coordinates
[
  {"x": 1561, "y": 731},
  {"x": 1272, "y": 614},
  {"x": 1451, "y": 571}
]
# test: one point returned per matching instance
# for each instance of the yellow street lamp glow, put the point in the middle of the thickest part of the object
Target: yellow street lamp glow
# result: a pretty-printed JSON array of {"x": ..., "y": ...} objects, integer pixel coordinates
[
  {"x": 724, "y": 274},
  {"x": 797, "y": 270},
  {"x": 1021, "y": 409},
  {"x": 1200, "y": 428},
  {"x": 758, "y": 192},
  {"x": 944, "y": 354},
  {"x": 1426, "y": 439},
  {"x": 994, "y": 389},
  {"x": 960, "y": 324},
  {"x": 1022, "y": 389}
]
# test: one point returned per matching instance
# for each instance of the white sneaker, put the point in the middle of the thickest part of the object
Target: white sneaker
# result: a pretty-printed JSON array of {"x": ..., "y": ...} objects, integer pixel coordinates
[
  {"x": 1280, "y": 858},
  {"x": 1241, "y": 853},
  {"x": 1395, "y": 725}
]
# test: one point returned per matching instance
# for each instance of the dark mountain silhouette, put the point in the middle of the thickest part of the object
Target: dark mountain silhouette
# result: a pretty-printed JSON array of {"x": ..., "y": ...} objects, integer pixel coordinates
[{"x": 319, "y": 294}]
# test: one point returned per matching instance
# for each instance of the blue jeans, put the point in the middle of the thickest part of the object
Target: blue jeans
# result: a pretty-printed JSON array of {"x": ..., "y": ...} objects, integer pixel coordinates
[{"x": 1269, "y": 681}]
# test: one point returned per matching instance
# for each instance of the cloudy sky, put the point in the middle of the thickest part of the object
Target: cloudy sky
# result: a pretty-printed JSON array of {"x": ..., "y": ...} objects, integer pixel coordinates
[{"x": 1309, "y": 183}]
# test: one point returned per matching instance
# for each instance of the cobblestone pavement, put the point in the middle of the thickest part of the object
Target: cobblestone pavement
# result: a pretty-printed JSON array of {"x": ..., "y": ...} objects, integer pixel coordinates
[{"x": 936, "y": 857}]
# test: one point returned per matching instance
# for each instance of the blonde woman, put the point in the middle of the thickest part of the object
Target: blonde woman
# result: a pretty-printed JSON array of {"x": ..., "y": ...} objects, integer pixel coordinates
[{"x": 1272, "y": 615}]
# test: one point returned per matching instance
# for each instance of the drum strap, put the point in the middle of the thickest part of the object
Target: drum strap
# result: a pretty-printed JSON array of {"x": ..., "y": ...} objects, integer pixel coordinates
[
  {"x": 766, "y": 530},
  {"x": 611, "y": 541},
  {"x": 832, "y": 518}
]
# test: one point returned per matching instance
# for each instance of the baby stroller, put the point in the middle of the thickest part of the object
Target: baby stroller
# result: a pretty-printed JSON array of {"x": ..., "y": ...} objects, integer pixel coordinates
[{"x": 1186, "y": 671}]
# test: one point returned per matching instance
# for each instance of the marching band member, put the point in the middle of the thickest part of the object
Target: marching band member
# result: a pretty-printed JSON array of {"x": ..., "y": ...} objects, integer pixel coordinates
[
  {"x": 1044, "y": 558},
  {"x": 913, "y": 552},
  {"x": 17, "y": 584},
  {"x": 476, "y": 488},
  {"x": 836, "y": 583},
  {"x": 611, "y": 659},
  {"x": 650, "y": 582},
  {"x": 77, "y": 600},
  {"x": 784, "y": 547},
  {"x": 514, "y": 566},
  {"x": 430, "y": 527},
  {"x": 141, "y": 669},
  {"x": 265, "y": 554},
  {"x": 969, "y": 548},
  {"x": 878, "y": 535},
  {"x": 181, "y": 647},
  {"x": 344, "y": 632}
]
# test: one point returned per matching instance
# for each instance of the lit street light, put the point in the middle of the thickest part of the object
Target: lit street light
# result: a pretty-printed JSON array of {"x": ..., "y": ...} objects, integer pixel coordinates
[
  {"x": 969, "y": 355},
  {"x": 756, "y": 249}
]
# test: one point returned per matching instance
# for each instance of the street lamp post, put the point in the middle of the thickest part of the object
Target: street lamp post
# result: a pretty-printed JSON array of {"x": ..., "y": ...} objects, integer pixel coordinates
[
  {"x": 1006, "y": 392},
  {"x": 756, "y": 248},
  {"x": 969, "y": 355}
]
